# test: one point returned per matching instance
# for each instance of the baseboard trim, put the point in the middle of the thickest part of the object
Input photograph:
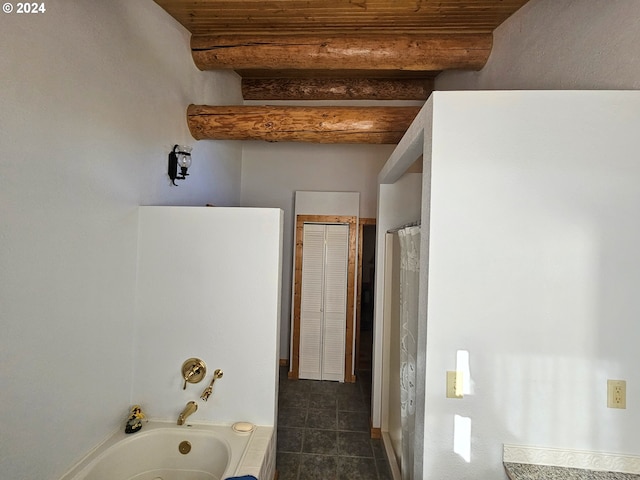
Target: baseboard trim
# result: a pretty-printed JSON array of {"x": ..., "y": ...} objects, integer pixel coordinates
[{"x": 555, "y": 457}]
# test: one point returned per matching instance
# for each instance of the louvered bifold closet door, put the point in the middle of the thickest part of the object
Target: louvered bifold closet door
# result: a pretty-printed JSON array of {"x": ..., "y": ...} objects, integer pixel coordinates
[
  {"x": 311, "y": 304},
  {"x": 335, "y": 301},
  {"x": 323, "y": 306}
]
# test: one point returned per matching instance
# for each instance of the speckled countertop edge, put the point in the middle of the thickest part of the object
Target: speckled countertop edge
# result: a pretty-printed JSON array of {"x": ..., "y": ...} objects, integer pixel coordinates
[{"x": 523, "y": 471}]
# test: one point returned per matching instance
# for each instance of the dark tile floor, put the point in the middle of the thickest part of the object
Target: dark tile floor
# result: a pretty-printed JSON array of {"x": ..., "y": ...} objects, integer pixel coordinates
[{"x": 323, "y": 431}]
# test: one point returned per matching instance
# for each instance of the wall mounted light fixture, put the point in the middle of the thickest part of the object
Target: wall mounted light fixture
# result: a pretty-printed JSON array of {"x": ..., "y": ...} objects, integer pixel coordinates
[{"x": 179, "y": 156}]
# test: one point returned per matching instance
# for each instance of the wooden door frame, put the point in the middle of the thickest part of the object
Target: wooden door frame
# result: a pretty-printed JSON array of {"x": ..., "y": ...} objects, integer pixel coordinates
[
  {"x": 352, "y": 221},
  {"x": 361, "y": 224}
]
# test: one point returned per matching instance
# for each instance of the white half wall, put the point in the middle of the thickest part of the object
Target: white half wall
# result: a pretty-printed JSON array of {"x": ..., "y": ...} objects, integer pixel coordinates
[
  {"x": 209, "y": 287},
  {"x": 551, "y": 44},
  {"x": 272, "y": 172},
  {"x": 533, "y": 273},
  {"x": 93, "y": 98}
]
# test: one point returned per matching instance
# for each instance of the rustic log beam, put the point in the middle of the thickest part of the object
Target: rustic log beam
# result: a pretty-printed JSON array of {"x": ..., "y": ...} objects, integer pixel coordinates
[
  {"x": 311, "y": 73},
  {"x": 335, "y": 17},
  {"x": 336, "y": 89},
  {"x": 347, "y": 52},
  {"x": 375, "y": 125}
]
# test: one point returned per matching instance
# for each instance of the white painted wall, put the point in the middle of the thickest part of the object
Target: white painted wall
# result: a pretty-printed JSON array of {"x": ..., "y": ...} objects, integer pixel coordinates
[
  {"x": 272, "y": 172},
  {"x": 399, "y": 204},
  {"x": 193, "y": 302},
  {"x": 93, "y": 98},
  {"x": 533, "y": 269},
  {"x": 549, "y": 44},
  {"x": 560, "y": 44},
  {"x": 327, "y": 203}
]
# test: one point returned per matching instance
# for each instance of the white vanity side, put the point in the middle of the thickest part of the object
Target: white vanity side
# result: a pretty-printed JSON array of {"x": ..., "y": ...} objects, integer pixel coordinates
[
  {"x": 534, "y": 268},
  {"x": 208, "y": 286}
]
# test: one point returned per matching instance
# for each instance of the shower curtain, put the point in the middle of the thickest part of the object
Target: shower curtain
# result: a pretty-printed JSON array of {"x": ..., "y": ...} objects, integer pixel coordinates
[{"x": 409, "y": 278}]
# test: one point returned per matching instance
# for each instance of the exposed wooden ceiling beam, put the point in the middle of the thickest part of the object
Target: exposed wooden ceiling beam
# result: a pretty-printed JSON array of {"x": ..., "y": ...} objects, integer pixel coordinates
[
  {"x": 414, "y": 53},
  {"x": 375, "y": 125},
  {"x": 314, "y": 73},
  {"x": 336, "y": 89},
  {"x": 335, "y": 17}
]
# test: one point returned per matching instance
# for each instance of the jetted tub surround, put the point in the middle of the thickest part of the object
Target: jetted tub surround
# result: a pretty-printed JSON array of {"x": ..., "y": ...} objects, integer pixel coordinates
[{"x": 165, "y": 450}]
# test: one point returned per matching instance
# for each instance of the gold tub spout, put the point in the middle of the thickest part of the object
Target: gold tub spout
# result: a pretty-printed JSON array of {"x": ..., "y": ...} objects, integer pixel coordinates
[{"x": 188, "y": 410}]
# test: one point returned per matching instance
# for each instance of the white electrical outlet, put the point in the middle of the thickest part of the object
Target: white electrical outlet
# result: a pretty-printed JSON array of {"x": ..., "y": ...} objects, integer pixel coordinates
[{"x": 616, "y": 394}]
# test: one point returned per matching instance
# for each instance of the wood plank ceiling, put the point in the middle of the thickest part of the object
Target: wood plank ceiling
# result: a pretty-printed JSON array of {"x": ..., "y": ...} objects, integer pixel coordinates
[{"x": 332, "y": 50}]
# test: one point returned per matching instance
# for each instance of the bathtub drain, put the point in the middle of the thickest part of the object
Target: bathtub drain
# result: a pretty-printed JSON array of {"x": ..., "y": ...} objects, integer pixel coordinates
[{"x": 184, "y": 447}]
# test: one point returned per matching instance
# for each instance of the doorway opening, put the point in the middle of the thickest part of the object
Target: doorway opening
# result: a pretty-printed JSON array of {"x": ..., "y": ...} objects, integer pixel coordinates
[
  {"x": 366, "y": 295},
  {"x": 348, "y": 361}
]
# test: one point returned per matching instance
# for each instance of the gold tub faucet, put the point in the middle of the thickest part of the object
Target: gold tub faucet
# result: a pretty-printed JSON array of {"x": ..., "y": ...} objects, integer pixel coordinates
[{"x": 188, "y": 410}]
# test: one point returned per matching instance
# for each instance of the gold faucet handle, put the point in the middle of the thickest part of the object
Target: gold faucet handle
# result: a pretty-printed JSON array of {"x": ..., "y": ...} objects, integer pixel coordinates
[{"x": 193, "y": 371}]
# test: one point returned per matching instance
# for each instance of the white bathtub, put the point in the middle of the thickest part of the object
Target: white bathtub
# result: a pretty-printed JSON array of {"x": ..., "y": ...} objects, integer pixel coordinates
[{"x": 217, "y": 452}]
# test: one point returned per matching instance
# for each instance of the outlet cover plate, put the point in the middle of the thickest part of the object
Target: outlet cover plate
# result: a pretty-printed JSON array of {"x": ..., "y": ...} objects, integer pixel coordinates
[
  {"x": 454, "y": 384},
  {"x": 616, "y": 394}
]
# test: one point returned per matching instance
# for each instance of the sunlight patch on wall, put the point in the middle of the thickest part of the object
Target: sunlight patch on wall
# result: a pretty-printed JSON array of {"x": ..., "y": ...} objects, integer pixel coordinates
[
  {"x": 462, "y": 437},
  {"x": 462, "y": 365}
]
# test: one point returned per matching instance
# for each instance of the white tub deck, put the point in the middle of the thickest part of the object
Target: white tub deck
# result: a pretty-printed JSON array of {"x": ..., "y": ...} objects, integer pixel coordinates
[{"x": 218, "y": 453}]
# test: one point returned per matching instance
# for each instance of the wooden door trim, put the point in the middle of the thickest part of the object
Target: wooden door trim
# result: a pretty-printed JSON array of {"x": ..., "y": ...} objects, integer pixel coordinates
[
  {"x": 361, "y": 224},
  {"x": 297, "y": 290}
]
